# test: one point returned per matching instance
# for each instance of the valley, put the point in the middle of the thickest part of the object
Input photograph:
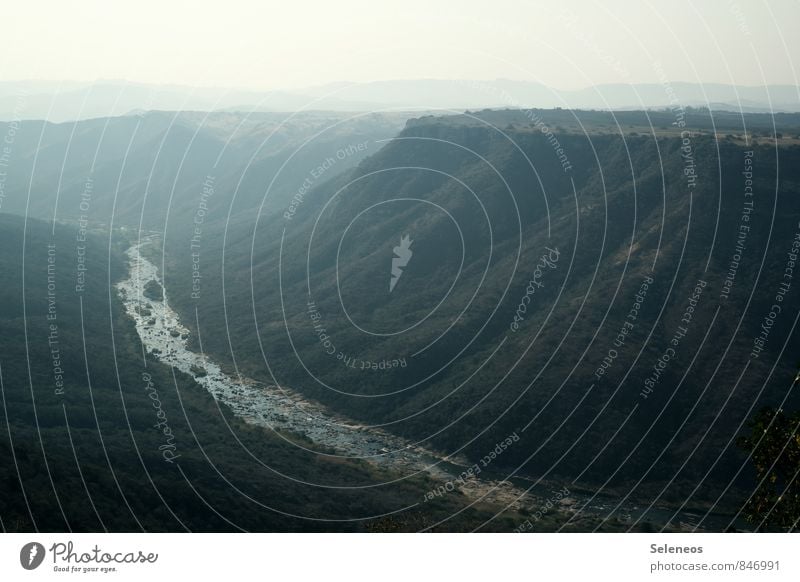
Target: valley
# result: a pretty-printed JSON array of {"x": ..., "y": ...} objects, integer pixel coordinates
[
  {"x": 397, "y": 297},
  {"x": 286, "y": 413}
]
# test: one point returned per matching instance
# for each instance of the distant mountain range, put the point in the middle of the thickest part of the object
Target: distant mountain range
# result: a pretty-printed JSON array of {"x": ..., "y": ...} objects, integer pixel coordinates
[{"x": 69, "y": 101}]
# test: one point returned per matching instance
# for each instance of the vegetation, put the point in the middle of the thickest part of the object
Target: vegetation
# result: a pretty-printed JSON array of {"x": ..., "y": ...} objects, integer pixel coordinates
[
  {"x": 632, "y": 215},
  {"x": 774, "y": 449},
  {"x": 617, "y": 197},
  {"x": 125, "y": 444}
]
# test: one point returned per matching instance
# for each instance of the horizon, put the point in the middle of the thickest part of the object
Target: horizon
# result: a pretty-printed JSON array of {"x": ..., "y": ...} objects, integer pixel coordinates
[
  {"x": 287, "y": 46},
  {"x": 64, "y": 101},
  {"x": 349, "y": 82}
]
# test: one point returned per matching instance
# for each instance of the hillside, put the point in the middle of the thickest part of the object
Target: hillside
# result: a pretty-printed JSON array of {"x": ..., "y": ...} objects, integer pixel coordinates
[
  {"x": 96, "y": 437},
  {"x": 574, "y": 287},
  {"x": 162, "y": 168}
]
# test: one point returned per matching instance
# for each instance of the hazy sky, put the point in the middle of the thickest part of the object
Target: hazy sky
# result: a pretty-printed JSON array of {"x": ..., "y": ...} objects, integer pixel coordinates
[{"x": 290, "y": 44}]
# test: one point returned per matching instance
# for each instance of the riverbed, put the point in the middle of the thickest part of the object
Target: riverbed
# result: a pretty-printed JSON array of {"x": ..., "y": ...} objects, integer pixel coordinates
[{"x": 281, "y": 409}]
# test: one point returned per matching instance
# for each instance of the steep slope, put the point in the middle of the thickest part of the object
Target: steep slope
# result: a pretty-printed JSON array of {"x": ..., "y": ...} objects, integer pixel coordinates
[
  {"x": 94, "y": 436},
  {"x": 154, "y": 169},
  {"x": 574, "y": 288}
]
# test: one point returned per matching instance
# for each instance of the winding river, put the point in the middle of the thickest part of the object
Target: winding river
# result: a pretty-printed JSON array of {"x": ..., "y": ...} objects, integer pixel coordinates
[
  {"x": 281, "y": 409},
  {"x": 277, "y": 408}
]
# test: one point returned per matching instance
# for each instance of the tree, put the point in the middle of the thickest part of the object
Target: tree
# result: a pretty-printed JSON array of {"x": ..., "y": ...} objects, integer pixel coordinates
[{"x": 774, "y": 446}]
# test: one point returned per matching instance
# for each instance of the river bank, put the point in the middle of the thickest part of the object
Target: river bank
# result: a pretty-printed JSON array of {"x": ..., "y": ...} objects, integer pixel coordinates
[{"x": 287, "y": 412}]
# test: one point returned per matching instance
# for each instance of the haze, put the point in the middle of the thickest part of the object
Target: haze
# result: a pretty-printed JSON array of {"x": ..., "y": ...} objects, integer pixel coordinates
[{"x": 291, "y": 45}]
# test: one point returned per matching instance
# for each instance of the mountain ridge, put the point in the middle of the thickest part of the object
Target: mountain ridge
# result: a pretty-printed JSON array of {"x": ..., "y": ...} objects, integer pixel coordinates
[{"x": 107, "y": 98}]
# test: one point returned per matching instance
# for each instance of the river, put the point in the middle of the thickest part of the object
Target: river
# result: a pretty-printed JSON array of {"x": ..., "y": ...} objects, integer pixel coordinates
[{"x": 282, "y": 409}]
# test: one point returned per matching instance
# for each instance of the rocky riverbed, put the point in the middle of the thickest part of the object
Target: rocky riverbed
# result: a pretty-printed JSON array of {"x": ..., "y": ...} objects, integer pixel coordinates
[
  {"x": 277, "y": 407},
  {"x": 281, "y": 409}
]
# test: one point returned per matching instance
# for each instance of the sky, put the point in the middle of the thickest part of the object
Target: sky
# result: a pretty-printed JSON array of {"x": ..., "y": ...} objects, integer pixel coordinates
[{"x": 565, "y": 44}]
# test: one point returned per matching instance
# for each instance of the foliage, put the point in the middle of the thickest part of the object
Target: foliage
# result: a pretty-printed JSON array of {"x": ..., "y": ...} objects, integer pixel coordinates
[
  {"x": 774, "y": 448},
  {"x": 91, "y": 457}
]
